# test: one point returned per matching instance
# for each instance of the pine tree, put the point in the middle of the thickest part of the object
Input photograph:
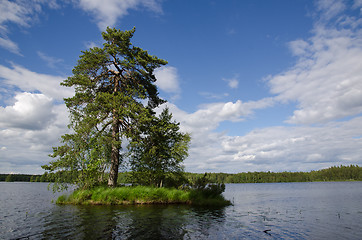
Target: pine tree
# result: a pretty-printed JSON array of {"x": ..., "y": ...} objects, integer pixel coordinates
[{"x": 114, "y": 91}]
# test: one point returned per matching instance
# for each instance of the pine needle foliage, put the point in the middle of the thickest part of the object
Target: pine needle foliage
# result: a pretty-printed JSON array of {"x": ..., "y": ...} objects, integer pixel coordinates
[{"x": 115, "y": 94}]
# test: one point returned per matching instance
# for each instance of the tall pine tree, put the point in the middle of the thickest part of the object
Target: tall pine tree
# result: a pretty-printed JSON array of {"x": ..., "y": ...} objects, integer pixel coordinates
[{"x": 114, "y": 91}]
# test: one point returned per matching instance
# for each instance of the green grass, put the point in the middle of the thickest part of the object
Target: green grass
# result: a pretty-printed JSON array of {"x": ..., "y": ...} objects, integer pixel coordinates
[{"x": 140, "y": 195}]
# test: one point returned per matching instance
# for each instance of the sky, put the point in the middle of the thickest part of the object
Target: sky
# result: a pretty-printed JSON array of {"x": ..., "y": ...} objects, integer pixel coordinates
[{"x": 260, "y": 85}]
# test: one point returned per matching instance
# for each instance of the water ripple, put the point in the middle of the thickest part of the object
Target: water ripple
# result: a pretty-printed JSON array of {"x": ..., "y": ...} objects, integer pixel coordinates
[{"x": 260, "y": 211}]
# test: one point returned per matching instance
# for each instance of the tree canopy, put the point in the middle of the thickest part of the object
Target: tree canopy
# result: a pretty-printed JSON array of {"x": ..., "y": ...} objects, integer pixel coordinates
[{"x": 115, "y": 94}]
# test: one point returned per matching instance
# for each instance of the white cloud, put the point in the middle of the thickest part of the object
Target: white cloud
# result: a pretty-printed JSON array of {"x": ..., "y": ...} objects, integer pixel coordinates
[
  {"x": 22, "y": 13},
  {"x": 30, "y": 111},
  {"x": 107, "y": 12},
  {"x": 9, "y": 45},
  {"x": 206, "y": 151},
  {"x": 29, "y": 81},
  {"x": 299, "y": 47},
  {"x": 168, "y": 80},
  {"x": 16, "y": 12},
  {"x": 329, "y": 9},
  {"x": 51, "y": 62},
  {"x": 298, "y": 148},
  {"x": 32, "y": 122},
  {"x": 274, "y": 148},
  {"x": 327, "y": 79},
  {"x": 209, "y": 116},
  {"x": 25, "y": 148},
  {"x": 232, "y": 82}
]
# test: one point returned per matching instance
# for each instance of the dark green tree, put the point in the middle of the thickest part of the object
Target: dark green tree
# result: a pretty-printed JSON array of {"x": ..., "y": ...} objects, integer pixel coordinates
[
  {"x": 114, "y": 90},
  {"x": 157, "y": 154}
]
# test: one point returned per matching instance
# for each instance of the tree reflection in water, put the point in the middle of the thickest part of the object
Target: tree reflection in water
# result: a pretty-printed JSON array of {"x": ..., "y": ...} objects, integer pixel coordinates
[{"x": 133, "y": 222}]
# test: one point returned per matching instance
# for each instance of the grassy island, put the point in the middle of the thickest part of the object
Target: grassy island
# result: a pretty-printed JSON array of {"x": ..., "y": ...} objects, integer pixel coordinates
[{"x": 144, "y": 195}]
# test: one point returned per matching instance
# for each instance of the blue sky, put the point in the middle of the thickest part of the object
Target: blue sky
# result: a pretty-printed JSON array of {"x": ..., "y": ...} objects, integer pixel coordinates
[{"x": 260, "y": 85}]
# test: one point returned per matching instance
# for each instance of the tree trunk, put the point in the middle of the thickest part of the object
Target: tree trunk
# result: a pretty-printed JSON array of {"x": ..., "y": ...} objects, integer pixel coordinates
[{"x": 113, "y": 173}]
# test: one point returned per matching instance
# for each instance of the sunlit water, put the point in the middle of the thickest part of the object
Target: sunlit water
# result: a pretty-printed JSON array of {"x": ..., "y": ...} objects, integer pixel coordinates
[{"x": 330, "y": 210}]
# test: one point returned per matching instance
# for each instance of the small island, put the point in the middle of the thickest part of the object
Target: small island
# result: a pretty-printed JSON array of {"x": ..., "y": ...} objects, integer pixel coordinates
[
  {"x": 117, "y": 120},
  {"x": 210, "y": 196}
]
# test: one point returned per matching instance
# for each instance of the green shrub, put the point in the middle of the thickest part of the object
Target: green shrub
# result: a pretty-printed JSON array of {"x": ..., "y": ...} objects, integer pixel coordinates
[
  {"x": 145, "y": 195},
  {"x": 61, "y": 199}
]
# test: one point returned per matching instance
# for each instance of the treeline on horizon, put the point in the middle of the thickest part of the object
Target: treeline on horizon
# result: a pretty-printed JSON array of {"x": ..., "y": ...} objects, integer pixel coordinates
[
  {"x": 335, "y": 173},
  {"x": 24, "y": 178}
]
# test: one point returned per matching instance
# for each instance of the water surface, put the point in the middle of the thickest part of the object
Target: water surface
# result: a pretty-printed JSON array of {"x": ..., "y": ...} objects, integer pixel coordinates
[{"x": 331, "y": 210}]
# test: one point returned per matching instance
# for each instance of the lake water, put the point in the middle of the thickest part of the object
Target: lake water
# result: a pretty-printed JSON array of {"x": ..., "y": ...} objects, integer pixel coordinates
[{"x": 330, "y": 210}]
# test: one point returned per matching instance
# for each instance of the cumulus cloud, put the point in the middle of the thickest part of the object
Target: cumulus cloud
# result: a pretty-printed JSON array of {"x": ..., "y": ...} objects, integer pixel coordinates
[
  {"x": 25, "y": 146},
  {"x": 209, "y": 116},
  {"x": 29, "y": 81},
  {"x": 297, "y": 148},
  {"x": 168, "y": 80},
  {"x": 278, "y": 148},
  {"x": 107, "y": 12},
  {"x": 206, "y": 147},
  {"x": 33, "y": 120},
  {"x": 30, "y": 111}
]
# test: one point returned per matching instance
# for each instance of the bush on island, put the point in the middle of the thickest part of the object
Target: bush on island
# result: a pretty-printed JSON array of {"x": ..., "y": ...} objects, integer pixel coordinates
[{"x": 198, "y": 193}]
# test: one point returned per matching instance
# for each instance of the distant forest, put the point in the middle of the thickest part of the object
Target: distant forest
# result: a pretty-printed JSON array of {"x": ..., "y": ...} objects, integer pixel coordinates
[
  {"x": 23, "y": 178},
  {"x": 336, "y": 173}
]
